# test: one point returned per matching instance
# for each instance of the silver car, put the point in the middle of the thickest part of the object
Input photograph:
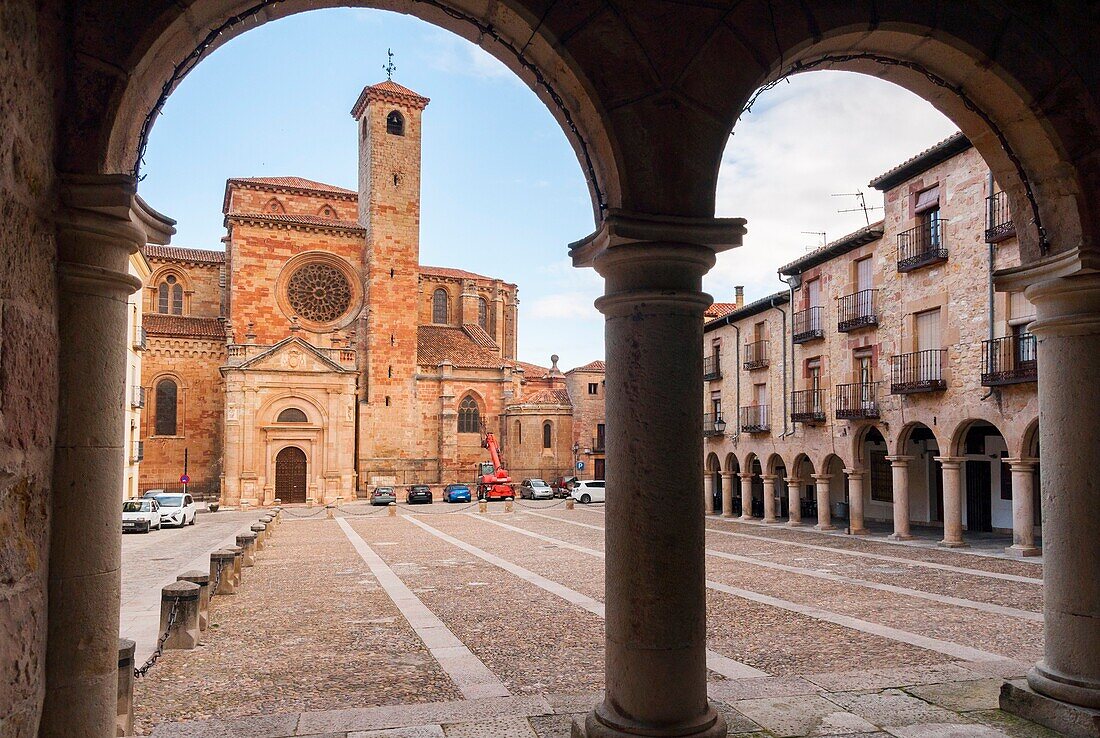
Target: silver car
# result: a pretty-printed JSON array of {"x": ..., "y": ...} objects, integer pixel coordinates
[{"x": 536, "y": 489}]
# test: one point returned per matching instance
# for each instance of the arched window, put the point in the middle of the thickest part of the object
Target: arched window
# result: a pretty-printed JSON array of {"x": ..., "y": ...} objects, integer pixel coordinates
[
  {"x": 327, "y": 212},
  {"x": 547, "y": 433},
  {"x": 395, "y": 123},
  {"x": 482, "y": 314},
  {"x": 170, "y": 296},
  {"x": 519, "y": 433},
  {"x": 292, "y": 415},
  {"x": 166, "y": 398},
  {"x": 469, "y": 417},
  {"x": 440, "y": 307}
]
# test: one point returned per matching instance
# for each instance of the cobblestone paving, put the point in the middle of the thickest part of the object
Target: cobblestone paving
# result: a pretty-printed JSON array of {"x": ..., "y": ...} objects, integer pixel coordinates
[{"x": 312, "y": 645}]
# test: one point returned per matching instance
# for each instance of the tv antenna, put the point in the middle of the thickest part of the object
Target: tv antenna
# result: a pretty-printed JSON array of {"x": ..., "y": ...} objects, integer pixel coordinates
[
  {"x": 815, "y": 233},
  {"x": 862, "y": 204}
]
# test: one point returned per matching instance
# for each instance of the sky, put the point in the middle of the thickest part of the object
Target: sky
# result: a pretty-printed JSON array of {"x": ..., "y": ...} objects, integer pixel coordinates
[{"x": 502, "y": 191}]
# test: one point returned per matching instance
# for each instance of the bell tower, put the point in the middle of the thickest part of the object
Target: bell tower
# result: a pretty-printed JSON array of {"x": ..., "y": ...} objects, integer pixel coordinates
[{"x": 388, "y": 118}]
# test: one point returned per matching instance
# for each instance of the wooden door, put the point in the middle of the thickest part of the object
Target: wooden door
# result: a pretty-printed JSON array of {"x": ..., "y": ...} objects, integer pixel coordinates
[
  {"x": 290, "y": 475},
  {"x": 979, "y": 503}
]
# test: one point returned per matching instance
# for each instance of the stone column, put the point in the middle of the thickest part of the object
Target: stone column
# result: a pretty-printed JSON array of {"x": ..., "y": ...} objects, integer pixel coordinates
[
  {"x": 794, "y": 501},
  {"x": 769, "y": 498},
  {"x": 1023, "y": 512},
  {"x": 1068, "y": 331},
  {"x": 708, "y": 491},
  {"x": 822, "y": 483},
  {"x": 899, "y": 468},
  {"x": 746, "y": 495},
  {"x": 952, "y": 501},
  {"x": 98, "y": 229},
  {"x": 655, "y": 626},
  {"x": 855, "y": 502},
  {"x": 727, "y": 494}
]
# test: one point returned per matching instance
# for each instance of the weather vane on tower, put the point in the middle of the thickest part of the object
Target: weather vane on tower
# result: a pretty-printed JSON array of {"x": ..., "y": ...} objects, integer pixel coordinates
[{"x": 390, "y": 67}]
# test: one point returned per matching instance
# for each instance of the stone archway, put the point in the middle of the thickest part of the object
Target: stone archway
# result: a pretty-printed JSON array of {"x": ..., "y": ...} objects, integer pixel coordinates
[{"x": 290, "y": 474}]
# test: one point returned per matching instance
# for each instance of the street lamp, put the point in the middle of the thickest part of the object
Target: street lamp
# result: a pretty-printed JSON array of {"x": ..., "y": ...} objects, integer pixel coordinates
[
  {"x": 719, "y": 425},
  {"x": 576, "y": 450}
]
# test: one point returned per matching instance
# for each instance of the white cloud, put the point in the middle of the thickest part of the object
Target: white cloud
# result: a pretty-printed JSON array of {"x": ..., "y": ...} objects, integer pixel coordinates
[
  {"x": 565, "y": 306},
  {"x": 455, "y": 55}
]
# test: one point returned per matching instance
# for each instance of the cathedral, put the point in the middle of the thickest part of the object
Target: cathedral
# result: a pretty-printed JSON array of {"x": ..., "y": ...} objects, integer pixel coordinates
[{"x": 315, "y": 357}]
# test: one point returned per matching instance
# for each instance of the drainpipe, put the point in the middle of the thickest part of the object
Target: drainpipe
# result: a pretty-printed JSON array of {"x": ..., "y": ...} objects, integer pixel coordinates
[
  {"x": 786, "y": 415},
  {"x": 737, "y": 373},
  {"x": 990, "y": 246}
]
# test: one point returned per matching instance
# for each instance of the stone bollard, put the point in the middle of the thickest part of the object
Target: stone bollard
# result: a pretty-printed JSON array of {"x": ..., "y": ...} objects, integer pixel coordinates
[
  {"x": 244, "y": 505},
  {"x": 125, "y": 720},
  {"x": 184, "y": 597},
  {"x": 202, "y": 579},
  {"x": 267, "y": 520},
  {"x": 238, "y": 561},
  {"x": 247, "y": 542},
  {"x": 222, "y": 561},
  {"x": 482, "y": 506},
  {"x": 569, "y": 503},
  {"x": 309, "y": 502},
  {"x": 328, "y": 511},
  {"x": 392, "y": 509},
  {"x": 260, "y": 530},
  {"x": 508, "y": 506}
]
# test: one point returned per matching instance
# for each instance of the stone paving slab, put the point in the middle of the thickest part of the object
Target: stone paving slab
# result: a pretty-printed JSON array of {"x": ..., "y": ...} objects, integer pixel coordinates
[
  {"x": 731, "y": 690},
  {"x": 500, "y": 728},
  {"x": 851, "y": 681},
  {"x": 439, "y": 713},
  {"x": 961, "y": 696},
  {"x": 803, "y": 715},
  {"x": 419, "y": 731},
  {"x": 892, "y": 708}
]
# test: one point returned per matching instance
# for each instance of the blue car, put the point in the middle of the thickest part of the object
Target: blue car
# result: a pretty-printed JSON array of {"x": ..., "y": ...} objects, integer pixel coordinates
[{"x": 457, "y": 493}]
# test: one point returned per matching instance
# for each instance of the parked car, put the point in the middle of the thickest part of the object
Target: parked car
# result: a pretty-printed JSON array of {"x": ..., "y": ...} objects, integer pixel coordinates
[
  {"x": 457, "y": 493},
  {"x": 383, "y": 496},
  {"x": 562, "y": 485},
  {"x": 419, "y": 493},
  {"x": 176, "y": 508},
  {"x": 141, "y": 515},
  {"x": 588, "y": 490},
  {"x": 535, "y": 489}
]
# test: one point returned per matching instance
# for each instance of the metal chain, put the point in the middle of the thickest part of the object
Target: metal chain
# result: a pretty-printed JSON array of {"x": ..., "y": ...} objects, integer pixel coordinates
[
  {"x": 318, "y": 511},
  {"x": 217, "y": 582},
  {"x": 562, "y": 501},
  {"x": 354, "y": 514},
  {"x": 139, "y": 672}
]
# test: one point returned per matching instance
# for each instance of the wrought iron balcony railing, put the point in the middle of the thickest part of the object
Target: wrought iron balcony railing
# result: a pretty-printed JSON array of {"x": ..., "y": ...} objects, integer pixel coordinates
[
  {"x": 712, "y": 367},
  {"x": 856, "y": 401},
  {"x": 1009, "y": 360},
  {"x": 857, "y": 310},
  {"x": 756, "y": 355},
  {"x": 137, "y": 396},
  {"x": 922, "y": 246},
  {"x": 808, "y": 325},
  {"x": 808, "y": 406},
  {"x": 920, "y": 371},
  {"x": 711, "y": 424},
  {"x": 597, "y": 443},
  {"x": 1000, "y": 224},
  {"x": 754, "y": 419}
]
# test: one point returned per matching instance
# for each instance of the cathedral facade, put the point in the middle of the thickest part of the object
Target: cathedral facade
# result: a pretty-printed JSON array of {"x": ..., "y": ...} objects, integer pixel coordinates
[{"x": 315, "y": 357}]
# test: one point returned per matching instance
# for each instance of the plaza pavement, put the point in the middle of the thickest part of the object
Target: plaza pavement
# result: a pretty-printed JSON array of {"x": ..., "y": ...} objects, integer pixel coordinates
[{"x": 444, "y": 622}]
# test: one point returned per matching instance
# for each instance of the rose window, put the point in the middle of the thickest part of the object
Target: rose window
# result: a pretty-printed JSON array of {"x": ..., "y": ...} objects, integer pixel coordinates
[{"x": 319, "y": 292}]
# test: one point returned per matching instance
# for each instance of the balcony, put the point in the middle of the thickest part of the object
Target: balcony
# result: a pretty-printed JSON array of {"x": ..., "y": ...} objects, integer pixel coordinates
[
  {"x": 137, "y": 396},
  {"x": 713, "y": 425},
  {"x": 807, "y": 325},
  {"x": 137, "y": 452},
  {"x": 141, "y": 339},
  {"x": 922, "y": 246},
  {"x": 712, "y": 367},
  {"x": 857, "y": 310},
  {"x": 1000, "y": 219},
  {"x": 756, "y": 355},
  {"x": 754, "y": 419},
  {"x": 857, "y": 401},
  {"x": 920, "y": 371},
  {"x": 597, "y": 446},
  {"x": 808, "y": 406},
  {"x": 1009, "y": 360}
]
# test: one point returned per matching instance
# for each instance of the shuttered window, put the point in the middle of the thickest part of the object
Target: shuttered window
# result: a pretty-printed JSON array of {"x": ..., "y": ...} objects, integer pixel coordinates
[
  {"x": 928, "y": 330},
  {"x": 864, "y": 274}
]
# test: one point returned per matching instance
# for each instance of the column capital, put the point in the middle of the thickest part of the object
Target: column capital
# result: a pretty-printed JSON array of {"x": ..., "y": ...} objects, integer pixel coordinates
[
  {"x": 745, "y": 475},
  {"x": 769, "y": 477},
  {"x": 950, "y": 462},
  {"x": 624, "y": 228},
  {"x": 822, "y": 477},
  {"x": 899, "y": 460},
  {"x": 728, "y": 475},
  {"x": 855, "y": 473},
  {"x": 1021, "y": 464},
  {"x": 794, "y": 480},
  {"x": 1066, "y": 306}
]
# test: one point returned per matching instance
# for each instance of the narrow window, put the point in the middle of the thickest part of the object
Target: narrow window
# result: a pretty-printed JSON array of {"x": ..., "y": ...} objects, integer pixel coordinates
[
  {"x": 291, "y": 415},
  {"x": 593, "y": 388},
  {"x": 547, "y": 433},
  {"x": 469, "y": 418},
  {"x": 395, "y": 123},
  {"x": 166, "y": 397},
  {"x": 440, "y": 307},
  {"x": 177, "y": 298},
  {"x": 519, "y": 433},
  {"x": 482, "y": 314},
  {"x": 162, "y": 298}
]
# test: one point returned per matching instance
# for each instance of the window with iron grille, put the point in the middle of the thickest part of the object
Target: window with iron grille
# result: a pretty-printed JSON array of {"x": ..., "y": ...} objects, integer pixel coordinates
[
  {"x": 166, "y": 410},
  {"x": 440, "y": 307}
]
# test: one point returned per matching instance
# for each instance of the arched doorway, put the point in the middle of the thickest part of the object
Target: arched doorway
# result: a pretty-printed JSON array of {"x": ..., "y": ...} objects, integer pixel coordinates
[{"x": 290, "y": 475}]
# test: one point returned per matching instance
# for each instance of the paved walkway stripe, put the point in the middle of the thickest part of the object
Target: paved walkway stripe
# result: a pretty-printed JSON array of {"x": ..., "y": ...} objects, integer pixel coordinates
[
  {"x": 866, "y": 555},
  {"x": 954, "y": 650},
  {"x": 1012, "y": 612},
  {"x": 467, "y": 671},
  {"x": 716, "y": 662}
]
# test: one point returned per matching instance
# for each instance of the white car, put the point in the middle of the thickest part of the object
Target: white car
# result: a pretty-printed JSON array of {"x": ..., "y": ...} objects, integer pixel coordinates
[
  {"x": 588, "y": 490},
  {"x": 140, "y": 515},
  {"x": 176, "y": 508}
]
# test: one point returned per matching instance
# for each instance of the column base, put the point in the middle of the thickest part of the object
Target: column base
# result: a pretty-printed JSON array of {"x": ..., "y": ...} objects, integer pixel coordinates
[
  {"x": 794, "y": 523},
  {"x": 727, "y": 515},
  {"x": 770, "y": 520},
  {"x": 829, "y": 526},
  {"x": 1021, "y": 700},
  {"x": 859, "y": 532},
  {"x": 900, "y": 537},
  {"x": 746, "y": 517},
  {"x": 1022, "y": 551},
  {"x": 589, "y": 726},
  {"x": 953, "y": 544}
]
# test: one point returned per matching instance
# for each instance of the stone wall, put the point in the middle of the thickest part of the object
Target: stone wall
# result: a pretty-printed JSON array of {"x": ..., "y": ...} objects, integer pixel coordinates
[
  {"x": 588, "y": 414},
  {"x": 30, "y": 34},
  {"x": 202, "y": 286}
]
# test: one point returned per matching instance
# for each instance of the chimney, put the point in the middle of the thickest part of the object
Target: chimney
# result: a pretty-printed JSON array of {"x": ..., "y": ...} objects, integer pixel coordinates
[{"x": 739, "y": 296}]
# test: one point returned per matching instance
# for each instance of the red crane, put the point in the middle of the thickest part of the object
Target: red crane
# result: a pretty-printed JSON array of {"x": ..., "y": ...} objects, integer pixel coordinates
[{"x": 493, "y": 482}]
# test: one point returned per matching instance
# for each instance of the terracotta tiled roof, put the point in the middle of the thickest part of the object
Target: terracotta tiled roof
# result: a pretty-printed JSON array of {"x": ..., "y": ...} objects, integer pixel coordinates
[
  {"x": 532, "y": 371},
  {"x": 438, "y": 343},
  {"x": 294, "y": 183},
  {"x": 432, "y": 271},
  {"x": 548, "y": 397},
  {"x": 842, "y": 245},
  {"x": 922, "y": 162},
  {"x": 753, "y": 308},
  {"x": 592, "y": 366},
  {"x": 718, "y": 309},
  {"x": 176, "y": 253},
  {"x": 314, "y": 221},
  {"x": 183, "y": 326},
  {"x": 388, "y": 91},
  {"x": 478, "y": 335}
]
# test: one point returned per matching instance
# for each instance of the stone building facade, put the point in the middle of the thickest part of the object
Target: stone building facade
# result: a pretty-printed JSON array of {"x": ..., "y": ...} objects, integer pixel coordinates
[
  {"x": 135, "y": 393},
  {"x": 315, "y": 357},
  {"x": 889, "y": 382}
]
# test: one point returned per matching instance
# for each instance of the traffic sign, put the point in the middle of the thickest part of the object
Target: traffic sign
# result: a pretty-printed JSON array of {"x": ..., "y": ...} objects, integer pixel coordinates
[
  {"x": 580, "y": 466},
  {"x": 184, "y": 479}
]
